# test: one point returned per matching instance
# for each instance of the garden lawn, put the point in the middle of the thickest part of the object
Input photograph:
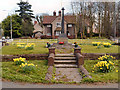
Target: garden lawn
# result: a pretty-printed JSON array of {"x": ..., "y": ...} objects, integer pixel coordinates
[
  {"x": 10, "y": 71},
  {"x": 111, "y": 77},
  {"x": 40, "y": 46}
]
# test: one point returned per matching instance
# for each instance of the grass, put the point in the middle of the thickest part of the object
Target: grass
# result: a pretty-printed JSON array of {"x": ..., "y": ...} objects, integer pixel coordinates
[
  {"x": 111, "y": 77},
  {"x": 11, "y": 72},
  {"x": 85, "y": 44}
]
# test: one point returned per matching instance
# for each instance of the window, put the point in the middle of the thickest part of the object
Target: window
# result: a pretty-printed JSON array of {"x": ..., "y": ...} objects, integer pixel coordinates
[
  {"x": 69, "y": 25},
  {"x": 58, "y": 24},
  {"x": 48, "y": 25},
  {"x": 58, "y": 33},
  {"x": 48, "y": 34}
]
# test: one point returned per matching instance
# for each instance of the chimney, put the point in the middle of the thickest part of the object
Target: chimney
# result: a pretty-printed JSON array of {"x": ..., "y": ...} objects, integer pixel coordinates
[
  {"x": 54, "y": 13},
  {"x": 59, "y": 13}
]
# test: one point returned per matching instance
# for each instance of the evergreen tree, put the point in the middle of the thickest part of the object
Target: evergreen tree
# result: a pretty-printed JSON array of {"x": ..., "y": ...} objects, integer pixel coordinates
[{"x": 26, "y": 15}]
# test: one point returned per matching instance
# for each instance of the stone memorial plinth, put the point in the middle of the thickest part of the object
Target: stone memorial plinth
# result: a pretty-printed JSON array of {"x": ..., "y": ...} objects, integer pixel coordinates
[{"x": 63, "y": 38}]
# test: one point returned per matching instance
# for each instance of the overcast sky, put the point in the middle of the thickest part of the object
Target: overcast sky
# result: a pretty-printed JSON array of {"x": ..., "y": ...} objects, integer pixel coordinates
[{"x": 38, "y": 6}]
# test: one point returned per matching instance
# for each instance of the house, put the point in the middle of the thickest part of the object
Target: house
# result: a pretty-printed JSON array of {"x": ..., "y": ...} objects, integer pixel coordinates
[{"x": 52, "y": 26}]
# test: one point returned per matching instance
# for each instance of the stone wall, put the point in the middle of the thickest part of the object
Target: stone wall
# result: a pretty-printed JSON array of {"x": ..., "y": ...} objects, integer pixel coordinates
[
  {"x": 27, "y": 56},
  {"x": 94, "y": 56},
  {"x": 87, "y": 56}
]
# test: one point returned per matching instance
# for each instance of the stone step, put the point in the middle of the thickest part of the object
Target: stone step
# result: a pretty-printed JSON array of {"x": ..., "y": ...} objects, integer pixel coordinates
[
  {"x": 65, "y": 65},
  {"x": 65, "y": 61},
  {"x": 64, "y": 55},
  {"x": 65, "y": 58}
]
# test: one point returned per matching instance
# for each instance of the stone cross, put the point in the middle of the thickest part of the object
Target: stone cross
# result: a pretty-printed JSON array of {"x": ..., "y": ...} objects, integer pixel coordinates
[{"x": 62, "y": 22}]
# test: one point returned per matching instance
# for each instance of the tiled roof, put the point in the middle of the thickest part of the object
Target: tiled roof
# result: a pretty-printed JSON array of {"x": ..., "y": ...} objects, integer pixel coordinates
[
  {"x": 49, "y": 19},
  {"x": 70, "y": 19}
]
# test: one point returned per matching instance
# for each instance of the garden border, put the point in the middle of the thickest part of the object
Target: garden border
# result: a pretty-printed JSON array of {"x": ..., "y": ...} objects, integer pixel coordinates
[{"x": 87, "y": 56}]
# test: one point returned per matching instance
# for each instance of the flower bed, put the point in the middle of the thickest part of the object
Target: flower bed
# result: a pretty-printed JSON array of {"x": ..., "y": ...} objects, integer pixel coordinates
[
  {"x": 61, "y": 43},
  {"x": 25, "y": 67},
  {"x": 19, "y": 61},
  {"x": 107, "y": 45},
  {"x": 28, "y": 46},
  {"x": 96, "y": 43},
  {"x": 104, "y": 65}
]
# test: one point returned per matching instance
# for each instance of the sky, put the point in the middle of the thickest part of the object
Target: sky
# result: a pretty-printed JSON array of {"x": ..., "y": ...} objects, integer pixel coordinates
[
  {"x": 8, "y": 7},
  {"x": 38, "y": 6}
]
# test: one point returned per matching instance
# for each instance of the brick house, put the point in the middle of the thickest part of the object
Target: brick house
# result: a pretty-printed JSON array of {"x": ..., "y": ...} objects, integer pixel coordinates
[{"x": 52, "y": 26}]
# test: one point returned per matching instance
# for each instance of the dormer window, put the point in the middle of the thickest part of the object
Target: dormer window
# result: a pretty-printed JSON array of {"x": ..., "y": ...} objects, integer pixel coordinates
[{"x": 58, "y": 24}]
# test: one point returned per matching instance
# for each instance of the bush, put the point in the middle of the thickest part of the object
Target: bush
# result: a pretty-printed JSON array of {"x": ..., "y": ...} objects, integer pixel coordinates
[
  {"x": 106, "y": 58},
  {"x": 104, "y": 65},
  {"x": 21, "y": 45},
  {"x": 29, "y": 46},
  {"x": 96, "y": 43},
  {"x": 27, "y": 67},
  {"x": 19, "y": 61},
  {"x": 107, "y": 45}
]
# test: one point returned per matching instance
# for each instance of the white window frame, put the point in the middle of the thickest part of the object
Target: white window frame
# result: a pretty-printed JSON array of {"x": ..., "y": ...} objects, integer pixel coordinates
[
  {"x": 48, "y": 25},
  {"x": 58, "y": 24},
  {"x": 69, "y": 25},
  {"x": 57, "y": 33}
]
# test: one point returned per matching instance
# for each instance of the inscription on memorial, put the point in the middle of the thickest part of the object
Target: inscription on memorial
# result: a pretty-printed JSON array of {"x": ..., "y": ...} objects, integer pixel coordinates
[{"x": 63, "y": 39}]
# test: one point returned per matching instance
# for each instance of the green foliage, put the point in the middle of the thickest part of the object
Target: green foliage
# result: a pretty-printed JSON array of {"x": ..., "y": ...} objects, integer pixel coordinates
[
  {"x": 25, "y": 10},
  {"x": 16, "y": 26},
  {"x": 27, "y": 68},
  {"x": 19, "y": 61},
  {"x": 11, "y": 72},
  {"x": 41, "y": 49},
  {"x": 26, "y": 15},
  {"x": 111, "y": 77}
]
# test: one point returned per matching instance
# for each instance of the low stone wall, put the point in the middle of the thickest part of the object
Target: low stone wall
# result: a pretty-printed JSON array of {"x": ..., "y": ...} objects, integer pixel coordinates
[
  {"x": 94, "y": 56},
  {"x": 87, "y": 56},
  {"x": 27, "y": 56}
]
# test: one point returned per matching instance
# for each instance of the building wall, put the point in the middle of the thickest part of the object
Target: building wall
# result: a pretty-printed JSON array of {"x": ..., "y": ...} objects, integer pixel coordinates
[
  {"x": 54, "y": 23},
  {"x": 71, "y": 30}
]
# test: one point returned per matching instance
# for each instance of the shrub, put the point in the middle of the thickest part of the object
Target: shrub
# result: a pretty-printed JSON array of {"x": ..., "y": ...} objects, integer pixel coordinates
[
  {"x": 106, "y": 58},
  {"x": 29, "y": 46},
  {"x": 103, "y": 66},
  {"x": 19, "y": 61},
  {"x": 107, "y": 45},
  {"x": 27, "y": 67},
  {"x": 96, "y": 43},
  {"x": 21, "y": 45}
]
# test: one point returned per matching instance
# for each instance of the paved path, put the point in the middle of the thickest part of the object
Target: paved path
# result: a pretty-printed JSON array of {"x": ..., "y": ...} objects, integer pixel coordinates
[
  {"x": 6, "y": 84},
  {"x": 68, "y": 74}
]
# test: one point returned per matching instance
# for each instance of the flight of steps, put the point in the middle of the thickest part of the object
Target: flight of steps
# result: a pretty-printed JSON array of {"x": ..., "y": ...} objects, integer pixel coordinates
[{"x": 65, "y": 61}]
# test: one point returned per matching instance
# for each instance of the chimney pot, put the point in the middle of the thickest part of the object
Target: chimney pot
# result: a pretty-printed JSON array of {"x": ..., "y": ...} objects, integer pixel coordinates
[
  {"x": 59, "y": 13},
  {"x": 54, "y": 13}
]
